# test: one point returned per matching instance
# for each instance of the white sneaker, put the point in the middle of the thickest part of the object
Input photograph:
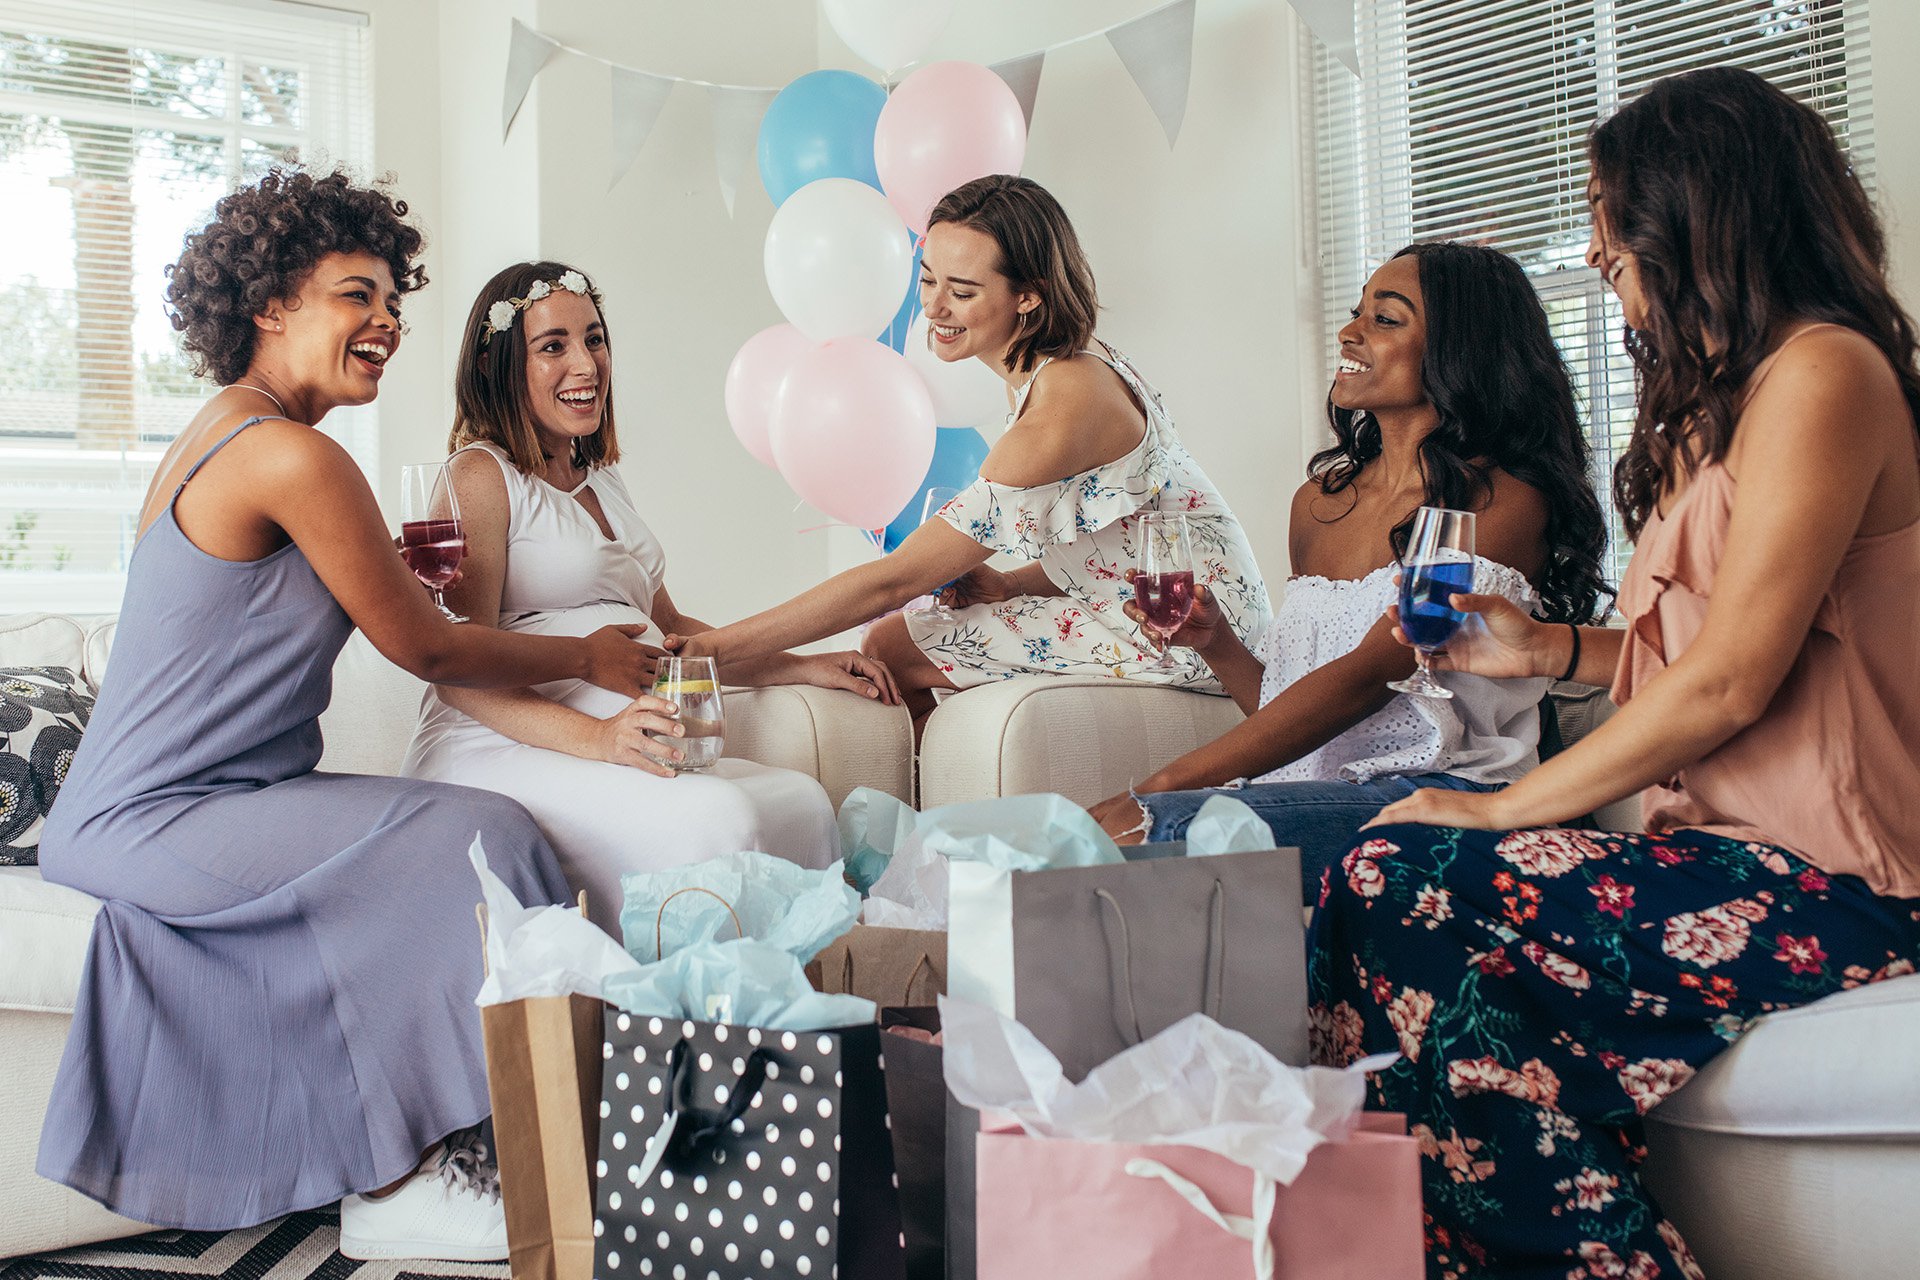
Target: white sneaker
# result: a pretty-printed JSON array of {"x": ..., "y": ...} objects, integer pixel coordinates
[{"x": 426, "y": 1218}]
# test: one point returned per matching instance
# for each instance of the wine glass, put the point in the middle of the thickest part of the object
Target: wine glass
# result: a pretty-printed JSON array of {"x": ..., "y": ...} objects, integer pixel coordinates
[
  {"x": 1163, "y": 585},
  {"x": 431, "y": 539},
  {"x": 693, "y": 685},
  {"x": 937, "y": 497},
  {"x": 1438, "y": 565}
]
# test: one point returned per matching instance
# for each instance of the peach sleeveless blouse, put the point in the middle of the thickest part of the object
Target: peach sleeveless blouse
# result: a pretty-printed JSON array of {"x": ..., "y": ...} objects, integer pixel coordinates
[{"x": 1832, "y": 769}]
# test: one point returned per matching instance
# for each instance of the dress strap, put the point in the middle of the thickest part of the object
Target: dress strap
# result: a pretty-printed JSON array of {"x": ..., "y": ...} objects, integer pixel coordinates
[
  {"x": 195, "y": 468},
  {"x": 1765, "y": 367}
]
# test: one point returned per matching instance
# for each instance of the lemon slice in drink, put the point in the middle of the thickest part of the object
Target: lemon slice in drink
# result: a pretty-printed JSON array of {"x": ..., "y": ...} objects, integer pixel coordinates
[{"x": 688, "y": 686}]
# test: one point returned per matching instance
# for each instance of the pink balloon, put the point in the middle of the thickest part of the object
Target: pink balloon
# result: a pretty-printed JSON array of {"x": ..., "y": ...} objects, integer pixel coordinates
[
  {"x": 753, "y": 378},
  {"x": 946, "y": 124},
  {"x": 852, "y": 430}
]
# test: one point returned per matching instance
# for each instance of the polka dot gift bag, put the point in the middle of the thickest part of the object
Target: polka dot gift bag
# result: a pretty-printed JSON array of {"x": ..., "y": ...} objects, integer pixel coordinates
[{"x": 740, "y": 1153}]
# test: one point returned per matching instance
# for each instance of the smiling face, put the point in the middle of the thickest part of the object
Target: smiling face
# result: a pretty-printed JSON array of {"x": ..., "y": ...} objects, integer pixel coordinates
[
  {"x": 334, "y": 337},
  {"x": 972, "y": 308},
  {"x": 1382, "y": 348},
  {"x": 568, "y": 368},
  {"x": 1618, "y": 266}
]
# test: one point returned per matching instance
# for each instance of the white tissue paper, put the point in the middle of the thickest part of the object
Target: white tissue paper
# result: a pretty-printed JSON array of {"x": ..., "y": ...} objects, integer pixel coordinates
[
  {"x": 797, "y": 909},
  {"x": 541, "y": 951},
  {"x": 1019, "y": 833},
  {"x": 1196, "y": 1084},
  {"x": 873, "y": 825},
  {"x": 1226, "y": 825},
  {"x": 740, "y": 980}
]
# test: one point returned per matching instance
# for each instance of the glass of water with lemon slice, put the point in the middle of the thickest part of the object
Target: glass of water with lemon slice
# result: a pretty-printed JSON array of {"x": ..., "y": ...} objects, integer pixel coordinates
[{"x": 693, "y": 685}]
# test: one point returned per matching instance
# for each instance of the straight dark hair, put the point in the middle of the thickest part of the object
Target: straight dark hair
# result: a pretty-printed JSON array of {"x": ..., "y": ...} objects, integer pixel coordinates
[
  {"x": 1744, "y": 218},
  {"x": 1039, "y": 253},
  {"x": 1505, "y": 401},
  {"x": 490, "y": 381}
]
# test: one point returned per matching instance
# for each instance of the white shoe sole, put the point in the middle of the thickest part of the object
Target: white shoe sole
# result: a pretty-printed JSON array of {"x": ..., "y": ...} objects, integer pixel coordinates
[{"x": 429, "y": 1251}]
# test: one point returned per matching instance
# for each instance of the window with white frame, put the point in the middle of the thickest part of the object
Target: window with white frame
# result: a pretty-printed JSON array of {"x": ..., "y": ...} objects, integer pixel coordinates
[
  {"x": 1469, "y": 122},
  {"x": 121, "y": 123}
]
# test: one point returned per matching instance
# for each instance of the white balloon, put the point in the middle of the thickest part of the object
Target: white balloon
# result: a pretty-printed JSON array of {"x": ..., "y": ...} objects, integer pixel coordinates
[
  {"x": 888, "y": 33},
  {"x": 838, "y": 260},
  {"x": 965, "y": 392}
]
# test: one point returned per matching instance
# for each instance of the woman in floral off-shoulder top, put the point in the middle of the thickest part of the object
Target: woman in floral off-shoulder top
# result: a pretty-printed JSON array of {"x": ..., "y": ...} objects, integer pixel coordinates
[{"x": 1090, "y": 448}]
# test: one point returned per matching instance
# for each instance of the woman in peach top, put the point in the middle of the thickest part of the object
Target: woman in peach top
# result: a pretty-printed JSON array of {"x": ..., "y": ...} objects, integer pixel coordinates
[{"x": 1548, "y": 987}]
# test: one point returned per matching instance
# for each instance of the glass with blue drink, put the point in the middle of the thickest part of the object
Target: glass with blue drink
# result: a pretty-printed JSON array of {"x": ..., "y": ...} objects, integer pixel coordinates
[{"x": 1437, "y": 565}]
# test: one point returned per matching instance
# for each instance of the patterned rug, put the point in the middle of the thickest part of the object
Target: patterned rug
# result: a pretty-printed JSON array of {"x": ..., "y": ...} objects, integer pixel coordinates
[{"x": 300, "y": 1247}]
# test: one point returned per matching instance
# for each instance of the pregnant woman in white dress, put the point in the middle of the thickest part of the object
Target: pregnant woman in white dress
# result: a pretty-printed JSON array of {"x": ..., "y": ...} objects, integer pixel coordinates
[{"x": 556, "y": 547}]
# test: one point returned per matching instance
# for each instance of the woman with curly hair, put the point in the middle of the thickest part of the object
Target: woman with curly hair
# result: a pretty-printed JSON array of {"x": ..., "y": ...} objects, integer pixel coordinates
[
  {"x": 559, "y": 547},
  {"x": 1546, "y": 988},
  {"x": 1450, "y": 393},
  {"x": 277, "y": 1010}
]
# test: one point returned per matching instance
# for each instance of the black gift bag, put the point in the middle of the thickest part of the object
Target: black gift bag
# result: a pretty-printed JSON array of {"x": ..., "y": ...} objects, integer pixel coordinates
[
  {"x": 917, "y": 1107},
  {"x": 777, "y": 1163}
]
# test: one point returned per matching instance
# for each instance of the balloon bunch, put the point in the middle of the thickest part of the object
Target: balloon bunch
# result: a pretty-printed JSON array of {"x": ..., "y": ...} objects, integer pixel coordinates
[{"x": 858, "y": 428}]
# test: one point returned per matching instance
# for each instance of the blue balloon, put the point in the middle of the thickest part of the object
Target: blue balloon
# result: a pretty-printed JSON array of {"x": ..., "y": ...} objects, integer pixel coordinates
[
  {"x": 957, "y": 455},
  {"x": 820, "y": 126},
  {"x": 896, "y": 334}
]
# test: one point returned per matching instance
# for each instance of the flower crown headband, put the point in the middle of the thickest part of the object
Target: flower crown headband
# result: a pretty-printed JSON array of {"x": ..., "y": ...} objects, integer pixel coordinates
[{"x": 500, "y": 315}]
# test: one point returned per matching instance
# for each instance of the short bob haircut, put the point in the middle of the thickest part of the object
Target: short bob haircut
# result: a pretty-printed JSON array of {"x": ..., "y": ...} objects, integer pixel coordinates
[
  {"x": 490, "y": 383},
  {"x": 1039, "y": 253},
  {"x": 263, "y": 243}
]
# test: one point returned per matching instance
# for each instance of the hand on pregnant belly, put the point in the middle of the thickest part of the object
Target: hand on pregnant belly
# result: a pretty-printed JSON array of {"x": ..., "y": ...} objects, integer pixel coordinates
[
  {"x": 629, "y": 737},
  {"x": 618, "y": 661}
]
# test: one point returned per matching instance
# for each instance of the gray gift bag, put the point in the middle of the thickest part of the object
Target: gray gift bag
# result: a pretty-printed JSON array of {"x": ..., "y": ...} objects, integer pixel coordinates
[{"x": 1098, "y": 959}]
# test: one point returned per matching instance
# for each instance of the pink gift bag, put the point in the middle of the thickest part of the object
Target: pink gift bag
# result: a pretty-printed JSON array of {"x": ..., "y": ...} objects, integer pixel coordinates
[{"x": 1055, "y": 1207}]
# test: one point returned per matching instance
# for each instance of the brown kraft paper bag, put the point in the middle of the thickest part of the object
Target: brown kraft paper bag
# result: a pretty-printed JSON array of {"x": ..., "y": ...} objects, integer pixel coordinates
[{"x": 885, "y": 965}]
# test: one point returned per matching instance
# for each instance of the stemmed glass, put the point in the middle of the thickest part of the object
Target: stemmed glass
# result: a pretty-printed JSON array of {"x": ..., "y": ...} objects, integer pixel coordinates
[
  {"x": 431, "y": 539},
  {"x": 937, "y": 497},
  {"x": 1163, "y": 583},
  {"x": 1438, "y": 565},
  {"x": 693, "y": 685}
]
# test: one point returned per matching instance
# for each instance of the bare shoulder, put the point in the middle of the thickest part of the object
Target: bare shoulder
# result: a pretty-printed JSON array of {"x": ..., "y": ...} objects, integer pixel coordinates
[
  {"x": 478, "y": 476},
  {"x": 1514, "y": 500},
  {"x": 1824, "y": 378}
]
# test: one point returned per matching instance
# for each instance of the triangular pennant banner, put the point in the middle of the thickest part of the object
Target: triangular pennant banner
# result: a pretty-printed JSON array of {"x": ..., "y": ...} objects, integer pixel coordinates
[
  {"x": 529, "y": 52},
  {"x": 637, "y": 99},
  {"x": 1331, "y": 22},
  {"x": 736, "y": 131},
  {"x": 1157, "y": 49},
  {"x": 1023, "y": 77}
]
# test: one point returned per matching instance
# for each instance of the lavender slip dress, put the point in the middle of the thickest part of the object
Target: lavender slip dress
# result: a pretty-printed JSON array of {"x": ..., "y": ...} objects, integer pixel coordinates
[{"x": 277, "y": 1006}]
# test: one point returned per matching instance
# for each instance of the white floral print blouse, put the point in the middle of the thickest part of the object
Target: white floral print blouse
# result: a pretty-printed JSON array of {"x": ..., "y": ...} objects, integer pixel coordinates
[{"x": 1082, "y": 531}]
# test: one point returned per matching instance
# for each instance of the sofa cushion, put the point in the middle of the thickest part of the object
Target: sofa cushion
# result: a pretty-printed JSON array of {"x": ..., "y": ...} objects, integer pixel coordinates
[
  {"x": 42, "y": 713},
  {"x": 43, "y": 933},
  {"x": 42, "y": 640},
  {"x": 1859, "y": 1046}
]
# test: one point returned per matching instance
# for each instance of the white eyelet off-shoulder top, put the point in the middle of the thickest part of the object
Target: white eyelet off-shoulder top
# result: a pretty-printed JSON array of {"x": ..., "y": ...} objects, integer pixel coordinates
[{"x": 1489, "y": 731}]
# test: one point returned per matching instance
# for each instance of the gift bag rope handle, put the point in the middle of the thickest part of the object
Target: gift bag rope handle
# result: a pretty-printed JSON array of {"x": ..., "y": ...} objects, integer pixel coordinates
[
  {"x": 661, "y": 915},
  {"x": 906, "y": 990},
  {"x": 707, "y": 1126},
  {"x": 480, "y": 914},
  {"x": 1120, "y": 960}
]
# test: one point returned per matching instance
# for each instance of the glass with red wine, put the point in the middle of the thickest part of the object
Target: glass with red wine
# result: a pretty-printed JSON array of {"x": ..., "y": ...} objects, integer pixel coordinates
[
  {"x": 1163, "y": 577},
  {"x": 431, "y": 540}
]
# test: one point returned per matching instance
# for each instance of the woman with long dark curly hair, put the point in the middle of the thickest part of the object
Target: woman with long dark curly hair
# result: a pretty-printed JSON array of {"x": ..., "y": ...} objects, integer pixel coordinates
[
  {"x": 1450, "y": 393},
  {"x": 278, "y": 1004},
  {"x": 1548, "y": 987}
]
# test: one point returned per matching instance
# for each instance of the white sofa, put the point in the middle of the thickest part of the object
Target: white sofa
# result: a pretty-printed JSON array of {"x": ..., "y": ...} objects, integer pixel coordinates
[
  {"x": 837, "y": 737},
  {"x": 1790, "y": 1156}
]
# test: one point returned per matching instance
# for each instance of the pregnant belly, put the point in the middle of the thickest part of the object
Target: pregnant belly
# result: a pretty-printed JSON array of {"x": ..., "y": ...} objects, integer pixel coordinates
[{"x": 582, "y": 621}]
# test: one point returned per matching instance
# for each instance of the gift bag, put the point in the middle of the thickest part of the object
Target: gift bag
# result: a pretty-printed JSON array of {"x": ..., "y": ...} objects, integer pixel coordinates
[
  {"x": 904, "y": 967},
  {"x": 1145, "y": 1212},
  {"x": 543, "y": 1072},
  {"x": 737, "y": 1152},
  {"x": 917, "y": 1112}
]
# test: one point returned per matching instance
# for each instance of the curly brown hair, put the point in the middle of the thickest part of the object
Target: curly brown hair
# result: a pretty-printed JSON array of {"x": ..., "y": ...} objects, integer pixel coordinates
[{"x": 263, "y": 242}]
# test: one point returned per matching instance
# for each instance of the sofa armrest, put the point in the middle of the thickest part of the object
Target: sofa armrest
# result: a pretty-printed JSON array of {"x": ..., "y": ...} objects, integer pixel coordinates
[
  {"x": 1579, "y": 709},
  {"x": 1085, "y": 738},
  {"x": 837, "y": 736}
]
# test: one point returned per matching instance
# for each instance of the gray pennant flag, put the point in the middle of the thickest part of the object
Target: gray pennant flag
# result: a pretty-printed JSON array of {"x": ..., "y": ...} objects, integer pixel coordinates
[
  {"x": 637, "y": 99},
  {"x": 1023, "y": 77},
  {"x": 529, "y": 52},
  {"x": 736, "y": 131},
  {"x": 1331, "y": 22},
  {"x": 1157, "y": 49}
]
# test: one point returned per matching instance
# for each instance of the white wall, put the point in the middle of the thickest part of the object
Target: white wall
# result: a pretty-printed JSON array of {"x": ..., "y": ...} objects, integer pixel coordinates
[{"x": 1203, "y": 253}]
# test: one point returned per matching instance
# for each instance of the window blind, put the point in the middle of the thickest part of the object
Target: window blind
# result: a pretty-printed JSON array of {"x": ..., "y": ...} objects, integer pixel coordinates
[
  {"x": 120, "y": 126},
  {"x": 1469, "y": 122}
]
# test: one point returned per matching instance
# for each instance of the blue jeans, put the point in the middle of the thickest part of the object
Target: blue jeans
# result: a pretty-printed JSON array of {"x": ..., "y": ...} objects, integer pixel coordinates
[{"x": 1318, "y": 818}]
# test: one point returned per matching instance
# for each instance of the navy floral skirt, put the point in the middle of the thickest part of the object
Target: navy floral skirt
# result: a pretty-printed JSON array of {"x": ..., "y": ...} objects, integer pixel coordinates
[{"x": 1546, "y": 989}]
